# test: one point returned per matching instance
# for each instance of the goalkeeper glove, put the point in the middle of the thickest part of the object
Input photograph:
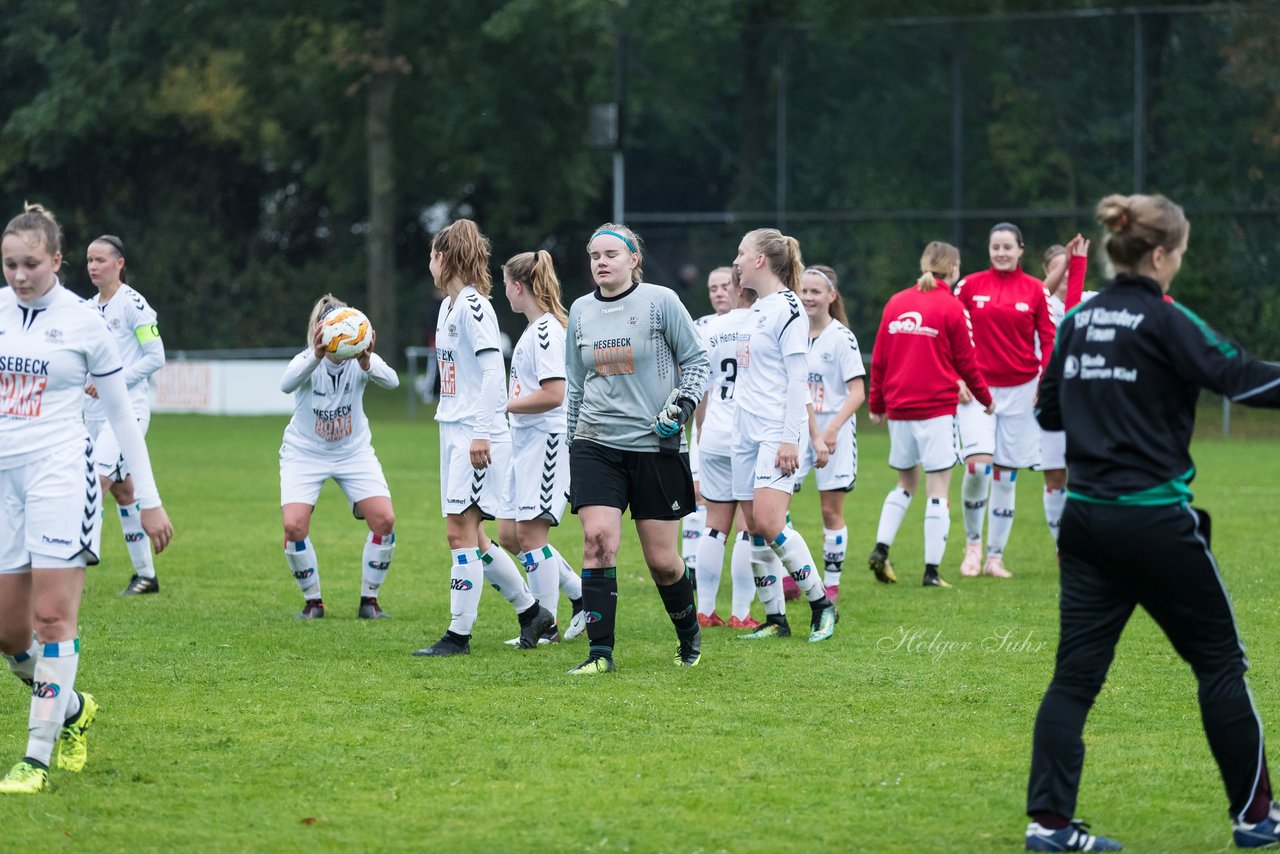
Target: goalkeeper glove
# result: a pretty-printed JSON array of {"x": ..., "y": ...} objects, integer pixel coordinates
[{"x": 673, "y": 415}]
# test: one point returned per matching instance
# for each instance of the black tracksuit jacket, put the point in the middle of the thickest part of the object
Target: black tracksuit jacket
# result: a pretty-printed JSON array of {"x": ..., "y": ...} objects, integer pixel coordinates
[{"x": 1126, "y": 371}]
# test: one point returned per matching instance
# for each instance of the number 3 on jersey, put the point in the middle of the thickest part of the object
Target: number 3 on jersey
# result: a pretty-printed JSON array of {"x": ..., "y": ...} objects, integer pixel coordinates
[{"x": 729, "y": 375}]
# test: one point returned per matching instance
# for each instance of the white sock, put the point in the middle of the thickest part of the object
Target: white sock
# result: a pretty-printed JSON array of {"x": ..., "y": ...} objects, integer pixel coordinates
[
  {"x": 937, "y": 522},
  {"x": 500, "y": 571},
  {"x": 1055, "y": 501},
  {"x": 892, "y": 513},
  {"x": 794, "y": 553},
  {"x": 55, "y": 681},
  {"x": 766, "y": 571},
  {"x": 465, "y": 577},
  {"x": 302, "y": 563},
  {"x": 377, "y": 560},
  {"x": 540, "y": 567},
  {"x": 23, "y": 664},
  {"x": 710, "y": 563},
  {"x": 974, "y": 489},
  {"x": 570, "y": 581},
  {"x": 137, "y": 541},
  {"x": 1004, "y": 488},
  {"x": 744, "y": 583},
  {"x": 834, "y": 548},
  {"x": 691, "y": 527}
]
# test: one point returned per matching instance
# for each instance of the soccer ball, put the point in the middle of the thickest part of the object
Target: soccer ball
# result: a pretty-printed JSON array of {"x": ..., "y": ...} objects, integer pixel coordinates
[{"x": 345, "y": 333}]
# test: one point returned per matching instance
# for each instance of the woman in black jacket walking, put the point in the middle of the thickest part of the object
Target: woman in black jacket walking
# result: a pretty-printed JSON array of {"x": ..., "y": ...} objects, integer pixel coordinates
[{"x": 1126, "y": 371}]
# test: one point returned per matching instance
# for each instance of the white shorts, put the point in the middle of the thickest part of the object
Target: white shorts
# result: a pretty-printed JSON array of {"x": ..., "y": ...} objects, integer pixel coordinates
[
  {"x": 52, "y": 511},
  {"x": 106, "y": 448},
  {"x": 1053, "y": 450},
  {"x": 930, "y": 442},
  {"x": 717, "y": 478},
  {"x": 753, "y": 468},
  {"x": 1011, "y": 436},
  {"x": 358, "y": 474},
  {"x": 537, "y": 479},
  {"x": 461, "y": 486},
  {"x": 841, "y": 471},
  {"x": 695, "y": 456}
]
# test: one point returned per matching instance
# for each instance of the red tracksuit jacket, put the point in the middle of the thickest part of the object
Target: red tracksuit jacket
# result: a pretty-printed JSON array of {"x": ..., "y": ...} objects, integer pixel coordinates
[
  {"x": 922, "y": 348},
  {"x": 1007, "y": 311}
]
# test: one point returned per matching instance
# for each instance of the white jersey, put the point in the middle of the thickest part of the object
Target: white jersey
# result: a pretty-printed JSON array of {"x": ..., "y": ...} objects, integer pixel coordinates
[
  {"x": 49, "y": 348},
  {"x": 1057, "y": 309},
  {"x": 538, "y": 357},
  {"x": 776, "y": 328},
  {"x": 834, "y": 359},
  {"x": 721, "y": 338},
  {"x": 328, "y": 403},
  {"x": 466, "y": 328},
  {"x": 132, "y": 322}
]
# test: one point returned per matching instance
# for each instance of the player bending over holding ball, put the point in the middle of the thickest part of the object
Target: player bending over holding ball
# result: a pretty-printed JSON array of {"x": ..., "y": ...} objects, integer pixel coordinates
[
  {"x": 50, "y": 345},
  {"x": 328, "y": 437},
  {"x": 475, "y": 442},
  {"x": 132, "y": 322}
]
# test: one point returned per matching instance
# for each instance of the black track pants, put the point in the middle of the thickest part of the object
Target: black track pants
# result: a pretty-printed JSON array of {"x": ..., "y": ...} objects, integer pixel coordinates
[{"x": 1113, "y": 559}]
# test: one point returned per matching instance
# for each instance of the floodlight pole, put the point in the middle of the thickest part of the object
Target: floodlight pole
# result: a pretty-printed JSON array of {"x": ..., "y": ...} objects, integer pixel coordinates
[{"x": 620, "y": 99}]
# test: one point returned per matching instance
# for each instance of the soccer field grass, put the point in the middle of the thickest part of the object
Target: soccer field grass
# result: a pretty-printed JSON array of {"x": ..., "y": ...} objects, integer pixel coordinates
[{"x": 228, "y": 725}]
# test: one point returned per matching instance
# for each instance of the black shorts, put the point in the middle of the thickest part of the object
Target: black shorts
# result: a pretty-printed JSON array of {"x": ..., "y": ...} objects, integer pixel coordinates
[{"x": 654, "y": 485}]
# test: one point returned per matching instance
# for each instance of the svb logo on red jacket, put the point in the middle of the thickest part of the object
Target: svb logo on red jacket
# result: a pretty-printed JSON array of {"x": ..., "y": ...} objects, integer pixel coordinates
[{"x": 911, "y": 323}]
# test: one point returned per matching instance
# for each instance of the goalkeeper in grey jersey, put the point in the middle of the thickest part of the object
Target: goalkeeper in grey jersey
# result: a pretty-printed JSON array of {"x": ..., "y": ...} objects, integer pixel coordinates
[{"x": 635, "y": 367}]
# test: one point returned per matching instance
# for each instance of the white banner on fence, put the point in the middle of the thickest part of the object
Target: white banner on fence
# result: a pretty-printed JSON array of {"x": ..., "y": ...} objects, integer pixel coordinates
[{"x": 221, "y": 387}]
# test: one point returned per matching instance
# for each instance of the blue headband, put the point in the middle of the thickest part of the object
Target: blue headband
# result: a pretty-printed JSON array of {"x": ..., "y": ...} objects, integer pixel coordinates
[{"x": 621, "y": 237}]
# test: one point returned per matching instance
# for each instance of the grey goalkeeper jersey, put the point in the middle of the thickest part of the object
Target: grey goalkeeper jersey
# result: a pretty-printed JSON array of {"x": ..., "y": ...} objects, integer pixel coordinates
[{"x": 623, "y": 357}]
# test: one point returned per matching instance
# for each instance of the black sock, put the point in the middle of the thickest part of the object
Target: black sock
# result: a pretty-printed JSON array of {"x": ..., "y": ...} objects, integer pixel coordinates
[
  {"x": 527, "y": 615},
  {"x": 820, "y": 604},
  {"x": 600, "y": 598},
  {"x": 775, "y": 619},
  {"x": 678, "y": 600},
  {"x": 881, "y": 547},
  {"x": 931, "y": 569},
  {"x": 35, "y": 763},
  {"x": 576, "y": 604},
  {"x": 457, "y": 638},
  {"x": 1050, "y": 820}
]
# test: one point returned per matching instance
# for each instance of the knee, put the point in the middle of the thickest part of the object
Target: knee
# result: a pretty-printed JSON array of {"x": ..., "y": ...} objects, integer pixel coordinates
[
  {"x": 122, "y": 492},
  {"x": 382, "y": 524},
  {"x": 296, "y": 531},
  {"x": 665, "y": 576},
  {"x": 15, "y": 639},
  {"x": 513, "y": 542},
  {"x": 460, "y": 540},
  {"x": 1055, "y": 478},
  {"x": 51, "y": 624},
  {"x": 598, "y": 548},
  {"x": 832, "y": 519}
]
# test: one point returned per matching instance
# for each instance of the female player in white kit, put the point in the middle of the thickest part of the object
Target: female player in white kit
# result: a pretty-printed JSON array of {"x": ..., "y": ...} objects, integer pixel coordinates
[
  {"x": 475, "y": 441},
  {"x": 132, "y": 322},
  {"x": 837, "y": 389},
  {"x": 766, "y": 454},
  {"x": 50, "y": 527},
  {"x": 537, "y": 482},
  {"x": 329, "y": 437},
  {"x": 714, "y": 420},
  {"x": 1064, "y": 271}
]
